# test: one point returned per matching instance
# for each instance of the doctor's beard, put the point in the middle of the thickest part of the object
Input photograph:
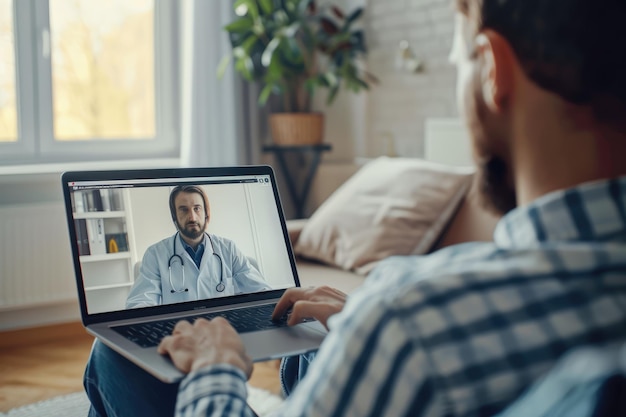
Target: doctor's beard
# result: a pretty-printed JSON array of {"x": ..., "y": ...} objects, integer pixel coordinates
[{"x": 192, "y": 233}]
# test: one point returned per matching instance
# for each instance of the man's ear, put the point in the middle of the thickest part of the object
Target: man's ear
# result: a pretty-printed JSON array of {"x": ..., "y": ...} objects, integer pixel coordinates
[{"x": 497, "y": 72}]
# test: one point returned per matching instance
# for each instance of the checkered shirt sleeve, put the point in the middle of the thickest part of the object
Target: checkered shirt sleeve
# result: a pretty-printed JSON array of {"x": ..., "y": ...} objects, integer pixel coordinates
[{"x": 464, "y": 331}]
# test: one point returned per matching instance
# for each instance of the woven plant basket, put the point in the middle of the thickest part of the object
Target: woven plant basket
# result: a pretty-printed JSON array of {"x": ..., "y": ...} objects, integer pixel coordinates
[{"x": 297, "y": 128}]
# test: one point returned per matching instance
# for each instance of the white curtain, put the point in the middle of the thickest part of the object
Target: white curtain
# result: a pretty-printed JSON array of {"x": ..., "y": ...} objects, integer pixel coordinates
[{"x": 214, "y": 128}]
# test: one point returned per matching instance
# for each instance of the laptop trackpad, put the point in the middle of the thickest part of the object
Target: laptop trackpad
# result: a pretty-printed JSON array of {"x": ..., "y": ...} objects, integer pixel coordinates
[{"x": 284, "y": 341}]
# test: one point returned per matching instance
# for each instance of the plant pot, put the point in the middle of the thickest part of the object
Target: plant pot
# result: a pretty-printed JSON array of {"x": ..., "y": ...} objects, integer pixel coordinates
[{"x": 297, "y": 128}]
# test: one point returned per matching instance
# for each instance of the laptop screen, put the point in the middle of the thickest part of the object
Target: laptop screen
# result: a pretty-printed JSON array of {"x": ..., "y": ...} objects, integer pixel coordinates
[{"x": 137, "y": 249}]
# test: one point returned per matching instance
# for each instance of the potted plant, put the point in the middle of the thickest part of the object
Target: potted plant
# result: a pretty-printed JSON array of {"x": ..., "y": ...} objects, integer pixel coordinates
[{"x": 293, "y": 48}]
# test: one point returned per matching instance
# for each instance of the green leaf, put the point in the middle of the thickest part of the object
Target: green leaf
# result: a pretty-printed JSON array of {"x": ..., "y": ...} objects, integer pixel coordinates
[
  {"x": 221, "y": 68},
  {"x": 244, "y": 67},
  {"x": 249, "y": 67},
  {"x": 265, "y": 94},
  {"x": 291, "y": 30},
  {"x": 362, "y": 84},
  {"x": 281, "y": 18},
  {"x": 239, "y": 52},
  {"x": 266, "y": 6},
  {"x": 354, "y": 15},
  {"x": 357, "y": 39},
  {"x": 321, "y": 81},
  {"x": 292, "y": 53},
  {"x": 331, "y": 79},
  {"x": 251, "y": 5},
  {"x": 241, "y": 8},
  {"x": 311, "y": 83},
  {"x": 259, "y": 28},
  {"x": 268, "y": 54},
  {"x": 332, "y": 94},
  {"x": 275, "y": 72},
  {"x": 242, "y": 25},
  {"x": 248, "y": 44}
]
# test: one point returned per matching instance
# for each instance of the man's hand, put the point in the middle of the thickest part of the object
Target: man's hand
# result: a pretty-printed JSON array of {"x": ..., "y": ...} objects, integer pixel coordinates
[
  {"x": 205, "y": 343},
  {"x": 319, "y": 303}
]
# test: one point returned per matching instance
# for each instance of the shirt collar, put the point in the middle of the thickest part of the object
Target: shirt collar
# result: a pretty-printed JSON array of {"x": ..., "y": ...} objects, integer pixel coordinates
[
  {"x": 187, "y": 247},
  {"x": 594, "y": 211}
]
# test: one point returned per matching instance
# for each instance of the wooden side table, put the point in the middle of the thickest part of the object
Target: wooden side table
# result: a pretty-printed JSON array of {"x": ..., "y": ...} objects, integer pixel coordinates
[{"x": 298, "y": 194}]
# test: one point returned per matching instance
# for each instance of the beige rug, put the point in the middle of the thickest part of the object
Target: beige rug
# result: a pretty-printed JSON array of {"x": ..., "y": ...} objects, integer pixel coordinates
[{"x": 76, "y": 405}]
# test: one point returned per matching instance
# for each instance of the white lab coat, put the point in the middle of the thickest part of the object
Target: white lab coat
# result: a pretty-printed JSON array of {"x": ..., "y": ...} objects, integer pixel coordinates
[{"x": 152, "y": 286}]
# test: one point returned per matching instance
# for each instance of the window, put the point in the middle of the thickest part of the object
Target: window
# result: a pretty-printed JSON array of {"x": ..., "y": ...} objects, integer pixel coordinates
[
  {"x": 8, "y": 110},
  {"x": 96, "y": 80}
]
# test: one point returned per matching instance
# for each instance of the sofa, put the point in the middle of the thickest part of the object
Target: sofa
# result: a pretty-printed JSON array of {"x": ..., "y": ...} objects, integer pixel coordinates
[{"x": 391, "y": 192}]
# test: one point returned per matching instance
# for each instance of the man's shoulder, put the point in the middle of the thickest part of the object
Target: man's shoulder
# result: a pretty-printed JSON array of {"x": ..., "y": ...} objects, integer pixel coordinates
[
  {"x": 221, "y": 240},
  {"x": 442, "y": 267},
  {"x": 490, "y": 320},
  {"x": 165, "y": 241},
  {"x": 480, "y": 263},
  {"x": 471, "y": 285}
]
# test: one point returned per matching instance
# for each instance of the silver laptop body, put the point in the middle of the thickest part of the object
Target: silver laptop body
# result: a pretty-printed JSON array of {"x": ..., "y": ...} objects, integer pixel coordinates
[{"x": 114, "y": 217}]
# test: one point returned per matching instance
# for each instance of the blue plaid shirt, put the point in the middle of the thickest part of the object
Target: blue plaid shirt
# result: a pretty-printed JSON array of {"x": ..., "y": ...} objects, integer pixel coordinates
[{"x": 464, "y": 331}]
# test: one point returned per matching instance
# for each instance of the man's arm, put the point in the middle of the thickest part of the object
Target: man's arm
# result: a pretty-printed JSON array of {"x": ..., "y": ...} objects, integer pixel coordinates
[{"x": 371, "y": 363}]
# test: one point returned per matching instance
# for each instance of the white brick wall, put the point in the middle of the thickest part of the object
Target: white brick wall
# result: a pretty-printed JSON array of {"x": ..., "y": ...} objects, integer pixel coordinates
[
  {"x": 357, "y": 125},
  {"x": 402, "y": 102}
]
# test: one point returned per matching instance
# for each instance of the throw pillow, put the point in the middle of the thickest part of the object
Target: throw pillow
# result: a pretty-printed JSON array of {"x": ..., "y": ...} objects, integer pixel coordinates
[{"x": 391, "y": 206}]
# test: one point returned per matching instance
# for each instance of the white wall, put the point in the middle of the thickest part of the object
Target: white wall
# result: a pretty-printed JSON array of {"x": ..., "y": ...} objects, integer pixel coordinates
[
  {"x": 360, "y": 126},
  {"x": 404, "y": 101}
]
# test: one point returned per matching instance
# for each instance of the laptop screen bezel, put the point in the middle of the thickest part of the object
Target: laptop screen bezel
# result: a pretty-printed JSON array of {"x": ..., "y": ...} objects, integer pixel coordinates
[{"x": 159, "y": 174}]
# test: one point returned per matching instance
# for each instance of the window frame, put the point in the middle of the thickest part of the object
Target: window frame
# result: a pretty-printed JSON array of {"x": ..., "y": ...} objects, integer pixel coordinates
[{"x": 36, "y": 143}]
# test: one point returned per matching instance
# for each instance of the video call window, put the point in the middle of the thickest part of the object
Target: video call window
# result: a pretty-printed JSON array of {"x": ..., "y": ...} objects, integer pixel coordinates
[{"x": 131, "y": 253}]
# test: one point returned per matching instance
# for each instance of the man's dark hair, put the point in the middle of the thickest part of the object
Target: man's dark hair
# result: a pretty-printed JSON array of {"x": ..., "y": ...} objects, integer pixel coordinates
[
  {"x": 574, "y": 48},
  {"x": 188, "y": 189}
]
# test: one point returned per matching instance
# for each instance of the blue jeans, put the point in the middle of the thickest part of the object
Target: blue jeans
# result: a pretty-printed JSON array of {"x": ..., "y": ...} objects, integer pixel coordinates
[
  {"x": 116, "y": 387},
  {"x": 292, "y": 370}
]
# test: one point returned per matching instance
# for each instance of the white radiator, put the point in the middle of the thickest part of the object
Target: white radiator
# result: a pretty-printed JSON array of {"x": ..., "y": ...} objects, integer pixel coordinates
[{"x": 35, "y": 258}]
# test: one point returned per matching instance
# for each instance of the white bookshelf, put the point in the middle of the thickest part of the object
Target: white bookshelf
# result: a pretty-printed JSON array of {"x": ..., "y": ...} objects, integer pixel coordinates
[{"x": 107, "y": 268}]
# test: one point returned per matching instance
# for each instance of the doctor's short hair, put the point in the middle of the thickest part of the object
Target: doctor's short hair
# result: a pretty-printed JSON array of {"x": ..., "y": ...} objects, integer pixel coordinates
[
  {"x": 573, "y": 48},
  {"x": 189, "y": 189}
]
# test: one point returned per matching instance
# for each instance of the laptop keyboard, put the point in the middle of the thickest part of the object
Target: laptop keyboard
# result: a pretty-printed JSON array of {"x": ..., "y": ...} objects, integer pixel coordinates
[{"x": 244, "y": 320}]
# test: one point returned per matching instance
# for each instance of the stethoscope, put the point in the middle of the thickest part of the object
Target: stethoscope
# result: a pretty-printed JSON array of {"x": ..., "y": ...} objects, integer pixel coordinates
[{"x": 220, "y": 287}]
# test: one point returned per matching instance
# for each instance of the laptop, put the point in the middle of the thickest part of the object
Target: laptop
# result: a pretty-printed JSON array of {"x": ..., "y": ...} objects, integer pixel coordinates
[{"x": 116, "y": 217}]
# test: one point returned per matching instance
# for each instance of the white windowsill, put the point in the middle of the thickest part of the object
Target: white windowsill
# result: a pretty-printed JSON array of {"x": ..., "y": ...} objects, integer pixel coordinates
[{"x": 56, "y": 169}]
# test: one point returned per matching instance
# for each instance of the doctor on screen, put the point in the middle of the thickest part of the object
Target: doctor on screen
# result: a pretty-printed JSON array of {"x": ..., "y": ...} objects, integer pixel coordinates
[{"x": 192, "y": 264}]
